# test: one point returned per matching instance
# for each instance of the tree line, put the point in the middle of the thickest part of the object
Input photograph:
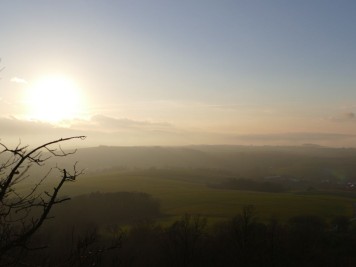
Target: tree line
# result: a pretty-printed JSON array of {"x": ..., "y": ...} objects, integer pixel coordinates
[{"x": 243, "y": 240}]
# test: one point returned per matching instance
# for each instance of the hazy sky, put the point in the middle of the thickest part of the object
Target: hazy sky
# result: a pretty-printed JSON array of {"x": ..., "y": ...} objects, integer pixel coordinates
[{"x": 179, "y": 72}]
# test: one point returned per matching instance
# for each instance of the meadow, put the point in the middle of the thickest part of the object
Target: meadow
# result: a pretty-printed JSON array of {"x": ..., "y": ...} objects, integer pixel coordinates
[{"x": 181, "y": 192}]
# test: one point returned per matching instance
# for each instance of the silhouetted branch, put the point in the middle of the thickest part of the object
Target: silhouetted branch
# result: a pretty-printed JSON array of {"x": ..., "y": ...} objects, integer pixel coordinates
[{"x": 18, "y": 223}]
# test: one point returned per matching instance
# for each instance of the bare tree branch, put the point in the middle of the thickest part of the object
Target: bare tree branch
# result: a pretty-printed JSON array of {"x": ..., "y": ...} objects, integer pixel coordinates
[{"x": 18, "y": 222}]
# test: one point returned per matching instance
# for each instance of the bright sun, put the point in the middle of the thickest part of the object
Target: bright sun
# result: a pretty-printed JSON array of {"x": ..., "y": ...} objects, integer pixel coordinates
[{"x": 53, "y": 99}]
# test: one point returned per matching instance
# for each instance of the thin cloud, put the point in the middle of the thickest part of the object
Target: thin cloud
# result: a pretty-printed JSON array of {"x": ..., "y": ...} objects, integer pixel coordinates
[
  {"x": 350, "y": 116},
  {"x": 344, "y": 117},
  {"x": 295, "y": 137},
  {"x": 110, "y": 124},
  {"x": 14, "y": 126},
  {"x": 18, "y": 80}
]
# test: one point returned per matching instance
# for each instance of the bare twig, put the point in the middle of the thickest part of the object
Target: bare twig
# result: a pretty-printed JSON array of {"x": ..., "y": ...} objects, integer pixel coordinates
[{"x": 17, "y": 220}]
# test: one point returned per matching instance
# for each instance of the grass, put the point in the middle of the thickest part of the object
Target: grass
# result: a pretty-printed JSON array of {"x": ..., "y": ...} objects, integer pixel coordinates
[{"x": 178, "y": 197}]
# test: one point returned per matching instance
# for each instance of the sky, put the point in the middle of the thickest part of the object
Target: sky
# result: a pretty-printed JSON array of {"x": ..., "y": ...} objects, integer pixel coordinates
[{"x": 179, "y": 72}]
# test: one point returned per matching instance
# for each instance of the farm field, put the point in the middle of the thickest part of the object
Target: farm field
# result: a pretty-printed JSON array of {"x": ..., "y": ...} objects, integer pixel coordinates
[{"x": 178, "y": 196}]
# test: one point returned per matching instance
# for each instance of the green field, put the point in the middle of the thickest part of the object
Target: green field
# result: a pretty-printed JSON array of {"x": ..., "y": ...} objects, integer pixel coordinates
[{"x": 178, "y": 196}]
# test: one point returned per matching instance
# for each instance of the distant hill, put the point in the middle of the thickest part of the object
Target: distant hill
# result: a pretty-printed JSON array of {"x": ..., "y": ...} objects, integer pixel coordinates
[{"x": 309, "y": 162}]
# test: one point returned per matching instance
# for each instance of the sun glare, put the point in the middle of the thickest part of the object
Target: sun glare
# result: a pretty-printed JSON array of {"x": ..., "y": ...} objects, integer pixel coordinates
[{"x": 53, "y": 99}]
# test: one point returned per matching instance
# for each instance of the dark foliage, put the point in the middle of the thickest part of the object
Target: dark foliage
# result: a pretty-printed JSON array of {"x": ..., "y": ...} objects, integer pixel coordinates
[
  {"x": 241, "y": 241},
  {"x": 107, "y": 209}
]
